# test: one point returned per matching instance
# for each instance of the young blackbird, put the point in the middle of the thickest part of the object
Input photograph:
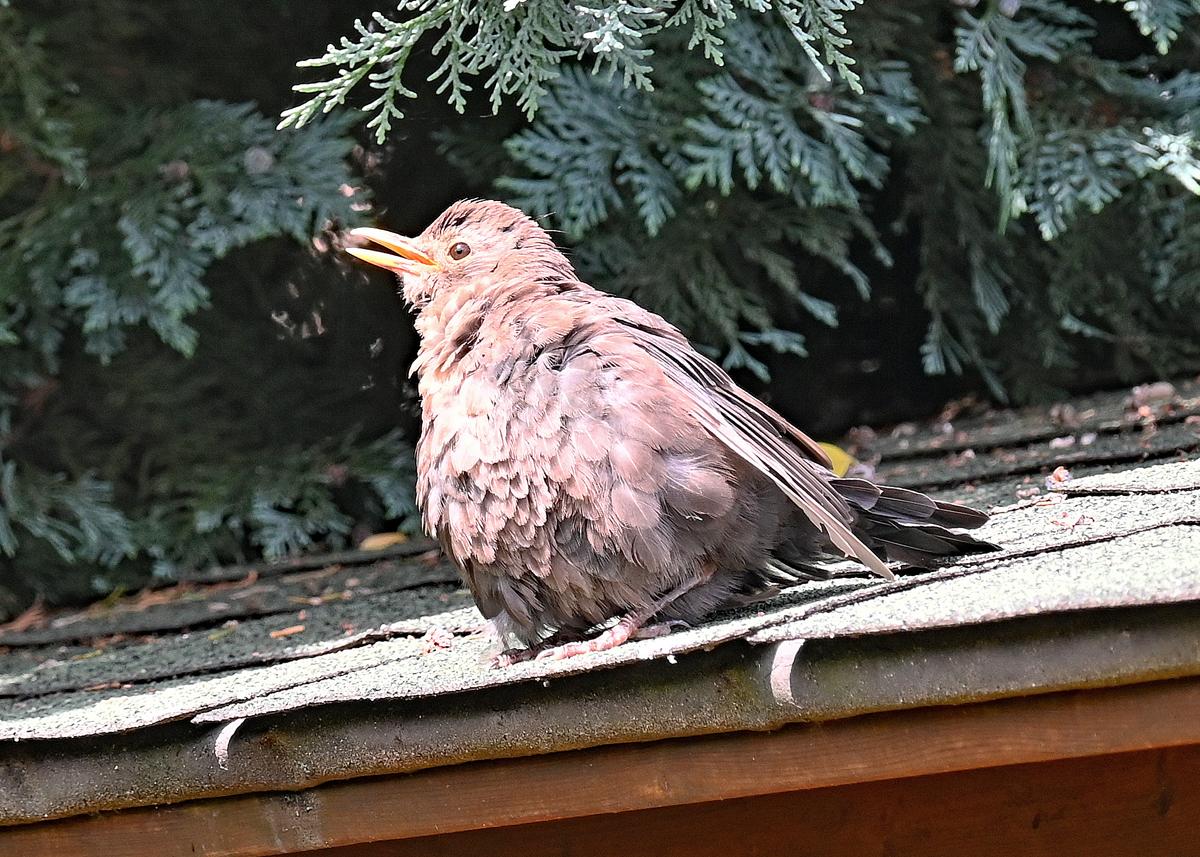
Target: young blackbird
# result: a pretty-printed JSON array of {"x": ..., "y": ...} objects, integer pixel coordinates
[{"x": 581, "y": 462}]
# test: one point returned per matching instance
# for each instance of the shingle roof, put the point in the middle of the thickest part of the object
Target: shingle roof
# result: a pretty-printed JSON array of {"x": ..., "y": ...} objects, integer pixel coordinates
[{"x": 1097, "y": 583}]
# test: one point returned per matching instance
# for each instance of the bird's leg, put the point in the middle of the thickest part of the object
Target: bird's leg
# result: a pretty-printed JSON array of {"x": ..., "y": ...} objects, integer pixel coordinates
[{"x": 629, "y": 625}]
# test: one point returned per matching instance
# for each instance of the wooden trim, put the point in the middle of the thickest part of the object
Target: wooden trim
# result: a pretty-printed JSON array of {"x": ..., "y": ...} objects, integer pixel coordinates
[
  {"x": 622, "y": 778},
  {"x": 1123, "y": 805}
]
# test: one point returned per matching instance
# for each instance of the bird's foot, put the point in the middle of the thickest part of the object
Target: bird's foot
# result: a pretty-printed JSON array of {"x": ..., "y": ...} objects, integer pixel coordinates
[
  {"x": 552, "y": 650},
  {"x": 630, "y": 625},
  {"x": 508, "y": 657},
  {"x": 513, "y": 656},
  {"x": 610, "y": 639}
]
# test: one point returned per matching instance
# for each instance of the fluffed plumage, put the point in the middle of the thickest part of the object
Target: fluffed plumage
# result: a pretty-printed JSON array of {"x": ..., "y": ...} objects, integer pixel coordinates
[{"x": 581, "y": 462}]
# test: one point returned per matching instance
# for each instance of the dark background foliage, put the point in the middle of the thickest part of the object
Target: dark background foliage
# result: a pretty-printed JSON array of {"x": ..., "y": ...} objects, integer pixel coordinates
[{"x": 997, "y": 198}]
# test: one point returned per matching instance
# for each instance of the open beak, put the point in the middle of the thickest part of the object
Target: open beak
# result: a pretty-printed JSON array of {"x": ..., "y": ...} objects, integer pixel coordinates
[{"x": 406, "y": 257}]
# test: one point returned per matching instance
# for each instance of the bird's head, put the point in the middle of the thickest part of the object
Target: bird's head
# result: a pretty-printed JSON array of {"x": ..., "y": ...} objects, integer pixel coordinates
[{"x": 474, "y": 245}]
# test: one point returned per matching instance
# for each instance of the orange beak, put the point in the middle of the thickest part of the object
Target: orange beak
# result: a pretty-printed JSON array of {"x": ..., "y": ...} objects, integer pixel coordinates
[{"x": 409, "y": 258}]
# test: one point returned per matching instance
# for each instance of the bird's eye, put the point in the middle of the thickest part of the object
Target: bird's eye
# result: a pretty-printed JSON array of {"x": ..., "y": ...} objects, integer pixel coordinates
[{"x": 460, "y": 250}]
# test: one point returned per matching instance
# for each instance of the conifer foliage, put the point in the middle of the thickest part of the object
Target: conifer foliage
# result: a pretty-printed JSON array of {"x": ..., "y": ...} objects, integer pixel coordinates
[
  {"x": 150, "y": 422},
  {"x": 188, "y": 375},
  {"x": 1052, "y": 185}
]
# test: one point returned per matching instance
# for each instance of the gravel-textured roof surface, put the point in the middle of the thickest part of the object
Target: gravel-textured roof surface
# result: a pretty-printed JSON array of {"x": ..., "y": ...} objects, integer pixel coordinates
[{"x": 1088, "y": 567}]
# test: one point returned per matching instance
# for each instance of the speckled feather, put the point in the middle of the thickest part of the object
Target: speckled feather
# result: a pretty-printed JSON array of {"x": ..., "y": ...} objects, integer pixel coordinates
[{"x": 580, "y": 461}]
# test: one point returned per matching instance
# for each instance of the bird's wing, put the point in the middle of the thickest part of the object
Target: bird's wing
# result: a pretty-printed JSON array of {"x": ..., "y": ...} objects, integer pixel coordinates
[{"x": 756, "y": 433}]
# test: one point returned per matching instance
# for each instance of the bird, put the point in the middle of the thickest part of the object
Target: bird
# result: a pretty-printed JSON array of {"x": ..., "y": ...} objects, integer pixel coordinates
[{"x": 591, "y": 474}]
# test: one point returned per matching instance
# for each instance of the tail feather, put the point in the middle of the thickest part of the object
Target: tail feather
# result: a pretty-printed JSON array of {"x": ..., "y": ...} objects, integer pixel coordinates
[
  {"x": 954, "y": 515},
  {"x": 920, "y": 544},
  {"x": 899, "y": 503},
  {"x": 910, "y": 527}
]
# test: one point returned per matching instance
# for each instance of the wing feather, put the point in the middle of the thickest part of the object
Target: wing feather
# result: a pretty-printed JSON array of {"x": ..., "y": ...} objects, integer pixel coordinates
[{"x": 758, "y": 435}]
